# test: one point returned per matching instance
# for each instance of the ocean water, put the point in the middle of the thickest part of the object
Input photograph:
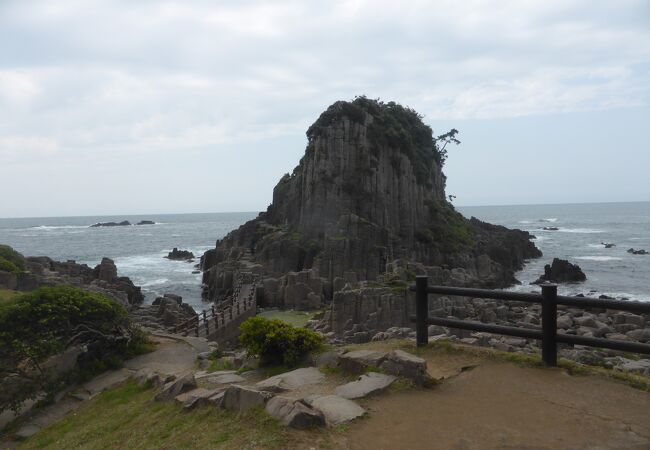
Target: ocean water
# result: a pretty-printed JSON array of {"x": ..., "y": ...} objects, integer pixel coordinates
[
  {"x": 139, "y": 251},
  {"x": 581, "y": 230}
]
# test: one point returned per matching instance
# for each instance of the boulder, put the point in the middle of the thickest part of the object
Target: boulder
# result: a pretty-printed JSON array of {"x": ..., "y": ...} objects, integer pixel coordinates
[
  {"x": 405, "y": 365},
  {"x": 561, "y": 271},
  {"x": 370, "y": 383},
  {"x": 174, "y": 388},
  {"x": 638, "y": 252},
  {"x": 146, "y": 222},
  {"x": 642, "y": 335},
  {"x": 294, "y": 413},
  {"x": 241, "y": 398},
  {"x": 336, "y": 409},
  {"x": 359, "y": 360},
  {"x": 106, "y": 270},
  {"x": 293, "y": 380}
]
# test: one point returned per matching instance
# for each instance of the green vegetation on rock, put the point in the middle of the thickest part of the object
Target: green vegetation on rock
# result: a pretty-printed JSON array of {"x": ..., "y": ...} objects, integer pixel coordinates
[
  {"x": 392, "y": 125},
  {"x": 277, "y": 342},
  {"x": 449, "y": 229}
]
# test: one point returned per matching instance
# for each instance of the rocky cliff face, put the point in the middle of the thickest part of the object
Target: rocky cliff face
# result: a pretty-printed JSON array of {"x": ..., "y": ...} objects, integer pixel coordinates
[{"x": 369, "y": 191}]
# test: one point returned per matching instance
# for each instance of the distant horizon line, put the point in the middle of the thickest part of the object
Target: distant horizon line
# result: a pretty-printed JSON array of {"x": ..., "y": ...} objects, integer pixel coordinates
[{"x": 259, "y": 211}]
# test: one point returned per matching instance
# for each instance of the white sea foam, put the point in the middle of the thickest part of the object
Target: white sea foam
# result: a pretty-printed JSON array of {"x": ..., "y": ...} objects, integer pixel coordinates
[
  {"x": 599, "y": 258},
  {"x": 525, "y": 221},
  {"x": 579, "y": 230},
  {"x": 60, "y": 227},
  {"x": 552, "y": 219},
  {"x": 156, "y": 282}
]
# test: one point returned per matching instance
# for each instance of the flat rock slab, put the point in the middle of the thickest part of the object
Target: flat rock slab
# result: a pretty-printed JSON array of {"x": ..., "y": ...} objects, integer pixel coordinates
[
  {"x": 336, "y": 409},
  {"x": 190, "y": 397},
  {"x": 293, "y": 380},
  {"x": 221, "y": 378},
  {"x": 366, "y": 384},
  {"x": 27, "y": 431},
  {"x": 107, "y": 381},
  {"x": 359, "y": 360}
]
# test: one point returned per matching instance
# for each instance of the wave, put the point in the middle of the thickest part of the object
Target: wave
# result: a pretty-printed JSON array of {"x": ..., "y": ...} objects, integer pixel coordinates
[
  {"x": 525, "y": 221},
  {"x": 552, "y": 219},
  {"x": 579, "y": 230},
  {"x": 58, "y": 227},
  {"x": 156, "y": 282},
  {"x": 599, "y": 258}
]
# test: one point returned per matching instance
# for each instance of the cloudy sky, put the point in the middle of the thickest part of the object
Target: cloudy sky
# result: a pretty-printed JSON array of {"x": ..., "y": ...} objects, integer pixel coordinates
[{"x": 117, "y": 107}]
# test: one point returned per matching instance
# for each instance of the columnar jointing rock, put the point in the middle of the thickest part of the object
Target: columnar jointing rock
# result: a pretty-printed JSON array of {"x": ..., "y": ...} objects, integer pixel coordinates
[{"x": 366, "y": 203}]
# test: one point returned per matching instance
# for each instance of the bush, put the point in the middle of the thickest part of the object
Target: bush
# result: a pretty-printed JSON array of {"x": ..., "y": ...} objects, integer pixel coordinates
[
  {"x": 277, "y": 342},
  {"x": 8, "y": 266},
  {"x": 11, "y": 260},
  {"x": 38, "y": 325}
]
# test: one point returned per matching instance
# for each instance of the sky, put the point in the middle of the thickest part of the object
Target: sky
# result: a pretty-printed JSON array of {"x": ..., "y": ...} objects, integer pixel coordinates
[{"x": 127, "y": 107}]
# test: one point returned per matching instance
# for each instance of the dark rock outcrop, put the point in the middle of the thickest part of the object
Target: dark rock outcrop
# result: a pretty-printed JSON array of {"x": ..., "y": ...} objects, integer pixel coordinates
[
  {"x": 146, "y": 222},
  {"x": 165, "y": 313},
  {"x": 111, "y": 224},
  {"x": 44, "y": 271},
  {"x": 638, "y": 252},
  {"x": 561, "y": 271},
  {"x": 368, "y": 192},
  {"x": 180, "y": 255}
]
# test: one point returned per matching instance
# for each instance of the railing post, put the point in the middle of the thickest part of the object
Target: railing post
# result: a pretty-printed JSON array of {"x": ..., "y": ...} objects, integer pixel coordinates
[
  {"x": 421, "y": 310},
  {"x": 549, "y": 324}
]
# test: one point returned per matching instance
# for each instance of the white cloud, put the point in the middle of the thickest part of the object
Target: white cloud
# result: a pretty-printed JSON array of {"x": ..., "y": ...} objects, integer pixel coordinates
[{"x": 106, "y": 79}]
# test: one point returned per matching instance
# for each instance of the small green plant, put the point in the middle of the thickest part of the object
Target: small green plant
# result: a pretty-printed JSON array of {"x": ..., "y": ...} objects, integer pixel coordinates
[{"x": 277, "y": 342}]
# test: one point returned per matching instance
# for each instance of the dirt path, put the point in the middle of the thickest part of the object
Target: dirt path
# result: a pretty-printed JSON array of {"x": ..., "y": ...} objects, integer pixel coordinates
[{"x": 500, "y": 405}]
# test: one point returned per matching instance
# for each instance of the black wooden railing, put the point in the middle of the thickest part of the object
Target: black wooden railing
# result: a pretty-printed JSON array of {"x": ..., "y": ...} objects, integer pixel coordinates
[{"x": 548, "y": 334}]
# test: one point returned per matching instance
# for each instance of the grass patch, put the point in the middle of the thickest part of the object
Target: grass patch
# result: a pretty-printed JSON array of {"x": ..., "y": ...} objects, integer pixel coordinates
[
  {"x": 221, "y": 364},
  {"x": 295, "y": 318},
  {"x": 128, "y": 417}
]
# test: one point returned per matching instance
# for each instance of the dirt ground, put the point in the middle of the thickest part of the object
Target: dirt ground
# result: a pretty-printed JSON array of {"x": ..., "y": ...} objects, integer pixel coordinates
[{"x": 498, "y": 405}]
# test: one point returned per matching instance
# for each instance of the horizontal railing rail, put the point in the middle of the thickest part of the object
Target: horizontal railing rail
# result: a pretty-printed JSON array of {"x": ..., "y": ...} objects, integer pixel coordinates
[{"x": 548, "y": 333}]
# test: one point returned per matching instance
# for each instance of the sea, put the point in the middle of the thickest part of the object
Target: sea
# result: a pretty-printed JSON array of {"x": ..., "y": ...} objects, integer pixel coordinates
[{"x": 139, "y": 250}]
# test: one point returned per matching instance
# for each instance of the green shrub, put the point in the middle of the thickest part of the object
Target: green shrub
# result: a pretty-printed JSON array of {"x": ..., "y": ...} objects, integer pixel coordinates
[
  {"x": 8, "y": 266},
  {"x": 11, "y": 260},
  {"x": 277, "y": 342},
  {"x": 47, "y": 321}
]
